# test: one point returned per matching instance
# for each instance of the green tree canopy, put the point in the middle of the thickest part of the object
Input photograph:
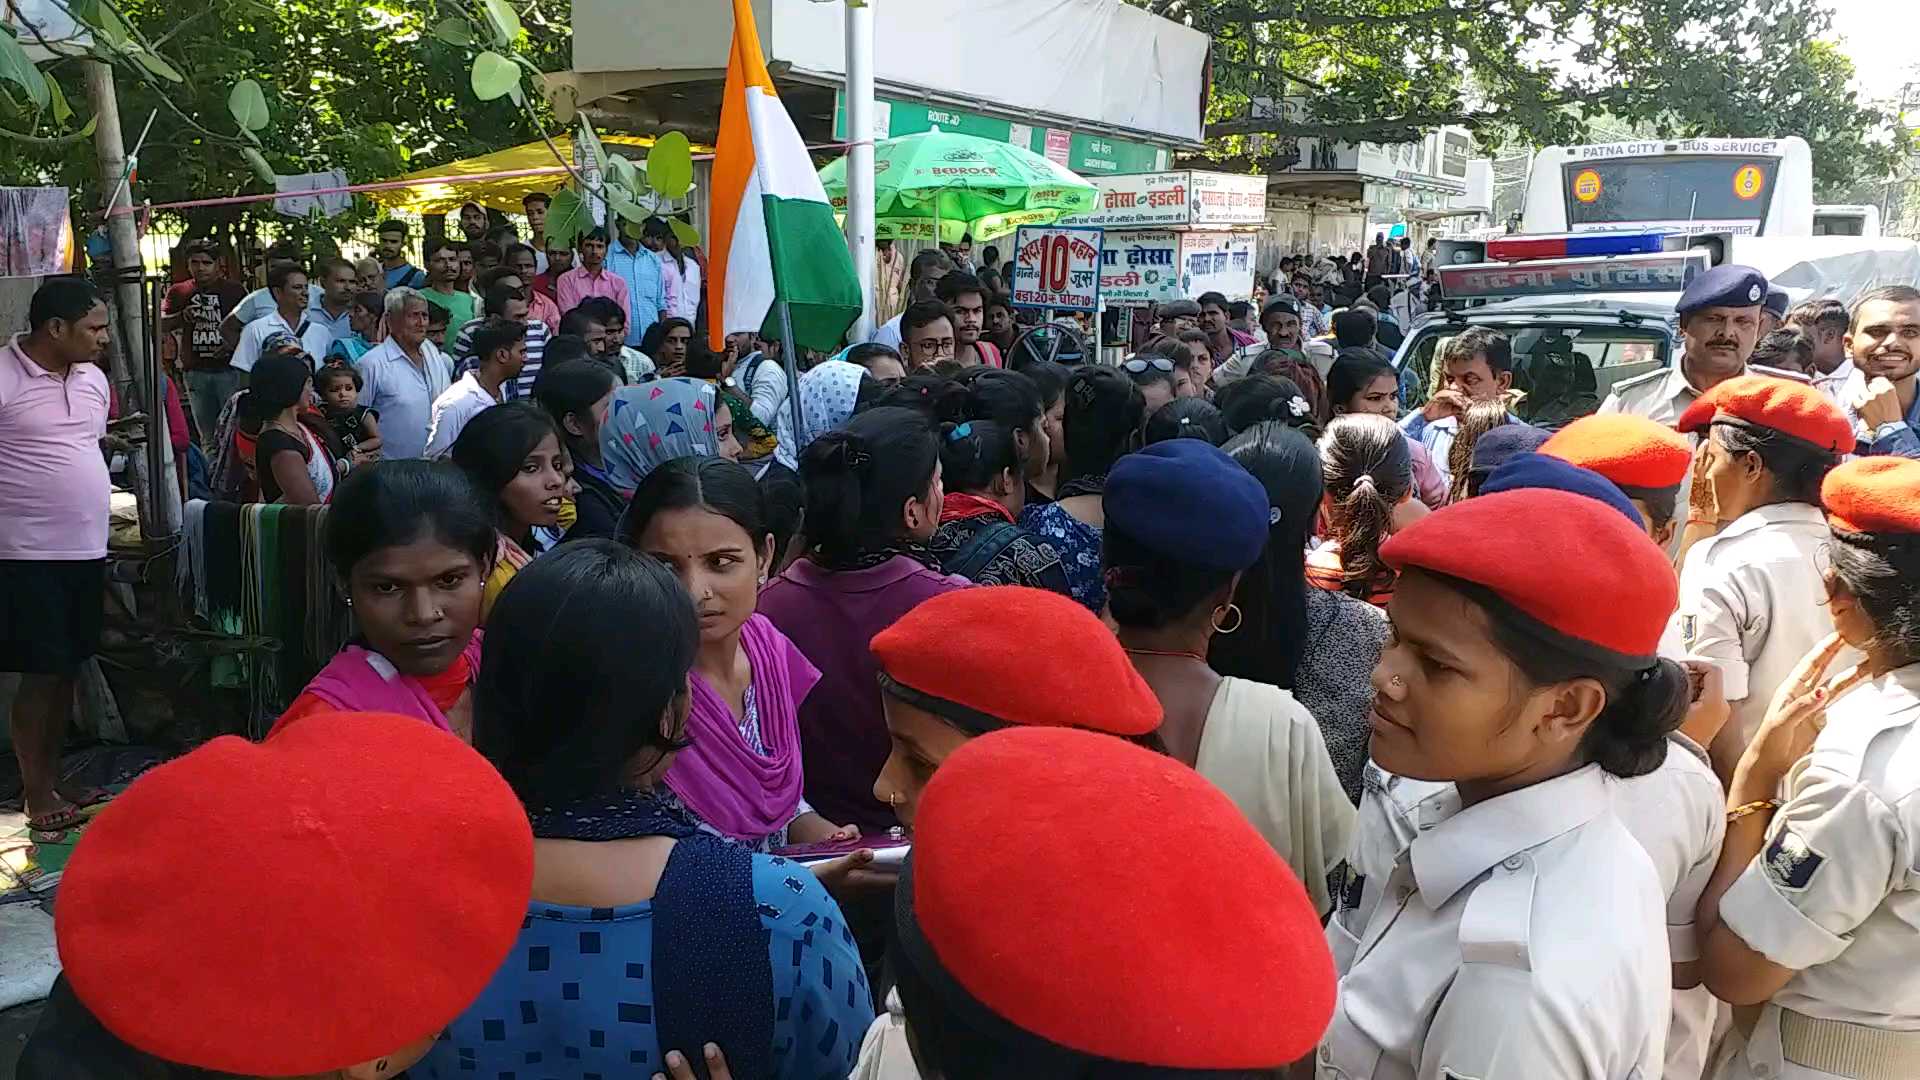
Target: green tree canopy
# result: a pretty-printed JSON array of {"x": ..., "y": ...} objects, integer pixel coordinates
[
  {"x": 360, "y": 85},
  {"x": 1532, "y": 70}
]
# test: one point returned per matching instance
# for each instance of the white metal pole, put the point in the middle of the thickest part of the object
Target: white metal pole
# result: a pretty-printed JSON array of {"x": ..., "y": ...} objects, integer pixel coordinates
[{"x": 859, "y": 27}]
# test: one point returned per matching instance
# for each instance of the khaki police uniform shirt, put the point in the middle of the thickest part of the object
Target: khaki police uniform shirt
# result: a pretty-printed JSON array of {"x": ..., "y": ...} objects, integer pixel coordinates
[
  {"x": 1515, "y": 939},
  {"x": 1835, "y": 893},
  {"x": 1676, "y": 812},
  {"x": 1753, "y": 603}
]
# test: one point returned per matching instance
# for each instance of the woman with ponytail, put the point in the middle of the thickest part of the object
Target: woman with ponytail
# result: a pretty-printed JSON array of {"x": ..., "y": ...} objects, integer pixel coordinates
[
  {"x": 1525, "y": 934},
  {"x": 874, "y": 495},
  {"x": 1369, "y": 477},
  {"x": 1297, "y": 637},
  {"x": 981, "y": 467}
]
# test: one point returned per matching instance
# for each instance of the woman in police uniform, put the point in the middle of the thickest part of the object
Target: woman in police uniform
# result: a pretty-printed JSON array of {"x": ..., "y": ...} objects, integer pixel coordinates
[
  {"x": 1521, "y": 934},
  {"x": 1813, "y": 906},
  {"x": 1751, "y": 593}
]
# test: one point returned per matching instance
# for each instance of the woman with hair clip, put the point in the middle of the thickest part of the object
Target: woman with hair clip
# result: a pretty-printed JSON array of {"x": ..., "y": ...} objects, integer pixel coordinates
[
  {"x": 977, "y": 538},
  {"x": 1299, "y": 638},
  {"x": 512, "y": 453},
  {"x": 1012, "y": 400},
  {"x": 705, "y": 518},
  {"x": 1184, "y": 522},
  {"x": 1812, "y": 908},
  {"x": 1369, "y": 478},
  {"x": 1102, "y": 418},
  {"x": 1361, "y": 382},
  {"x": 1751, "y": 589},
  {"x": 874, "y": 495},
  {"x": 1518, "y": 930},
  {"x": 646, "y": 938},
  {"x": 577, "y": 396},
  {"x": 1257, "y": 398}
]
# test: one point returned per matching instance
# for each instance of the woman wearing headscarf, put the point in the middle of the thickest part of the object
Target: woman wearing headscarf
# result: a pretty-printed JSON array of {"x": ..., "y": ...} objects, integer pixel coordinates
[
  {"x": 651, "y": 424},
  {"x": 873, "y": 501},
  {"x": 1102, "y": 418},
  {"x": 1308, "y": 640},
  {"x": 829, "y": 392},
  {"x": 1184, "y": 522}
]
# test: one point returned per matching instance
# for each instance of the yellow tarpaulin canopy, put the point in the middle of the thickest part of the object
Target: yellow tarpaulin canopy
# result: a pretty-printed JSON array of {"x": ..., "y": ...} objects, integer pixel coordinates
[{"x": 502, "y": 194}]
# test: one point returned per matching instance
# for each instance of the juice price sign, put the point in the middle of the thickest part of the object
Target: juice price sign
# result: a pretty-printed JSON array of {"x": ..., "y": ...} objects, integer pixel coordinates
[{"x": 1057, "y": 267}]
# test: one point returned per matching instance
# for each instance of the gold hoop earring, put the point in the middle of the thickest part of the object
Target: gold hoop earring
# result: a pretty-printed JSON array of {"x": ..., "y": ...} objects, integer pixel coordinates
[{"x": 1238, "y": 618}]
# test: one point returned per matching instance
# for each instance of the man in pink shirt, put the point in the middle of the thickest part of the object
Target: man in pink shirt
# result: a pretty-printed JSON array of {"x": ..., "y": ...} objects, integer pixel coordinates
[
  {"x": 540, "y": 307},
  {"x": 54, "y": 488},
  {"x": 591, "y": 277}
]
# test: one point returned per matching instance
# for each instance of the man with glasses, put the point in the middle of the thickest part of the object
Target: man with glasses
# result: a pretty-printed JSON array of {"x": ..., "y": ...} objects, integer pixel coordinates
[
  {"x": 926, "y": 329},
  {"x": 1177, "y": 316}
]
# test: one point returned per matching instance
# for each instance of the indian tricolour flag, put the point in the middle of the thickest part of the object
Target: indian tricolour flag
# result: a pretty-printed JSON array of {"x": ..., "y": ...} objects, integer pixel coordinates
[{"x": 774, "y": 239}]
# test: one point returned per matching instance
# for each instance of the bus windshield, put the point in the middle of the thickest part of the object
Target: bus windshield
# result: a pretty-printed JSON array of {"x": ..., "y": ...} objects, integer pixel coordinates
[{"x": 1669, "y": 190}]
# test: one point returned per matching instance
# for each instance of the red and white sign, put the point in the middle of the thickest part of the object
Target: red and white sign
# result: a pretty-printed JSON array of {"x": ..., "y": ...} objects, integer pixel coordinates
[
  {"x": 1059, "y": 146},
  {"x": 1057, "y": 267},
  {"x": 1177, "y": 200}
]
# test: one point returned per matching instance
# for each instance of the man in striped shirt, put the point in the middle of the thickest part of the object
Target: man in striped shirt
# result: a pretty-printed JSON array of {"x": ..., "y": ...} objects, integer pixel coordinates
[{"x": 506, "y": 297}]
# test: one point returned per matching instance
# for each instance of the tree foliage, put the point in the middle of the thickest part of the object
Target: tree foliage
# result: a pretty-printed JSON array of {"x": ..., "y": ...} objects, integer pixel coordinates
[
  {"x": 1533, "y": 70},
  {"x": 360, "y": 85}
]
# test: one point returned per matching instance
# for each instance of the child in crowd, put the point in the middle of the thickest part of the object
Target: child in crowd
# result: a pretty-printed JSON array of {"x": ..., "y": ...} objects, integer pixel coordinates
[{"x": 358, "y": 426}]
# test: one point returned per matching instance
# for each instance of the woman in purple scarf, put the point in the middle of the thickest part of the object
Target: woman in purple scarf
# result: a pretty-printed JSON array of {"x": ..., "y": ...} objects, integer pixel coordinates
[{"x": 742, "y": 777}]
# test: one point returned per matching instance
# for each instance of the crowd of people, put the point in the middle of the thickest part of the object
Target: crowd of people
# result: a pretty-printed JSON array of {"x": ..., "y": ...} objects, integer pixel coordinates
[{"x": 1223, "y": 712}]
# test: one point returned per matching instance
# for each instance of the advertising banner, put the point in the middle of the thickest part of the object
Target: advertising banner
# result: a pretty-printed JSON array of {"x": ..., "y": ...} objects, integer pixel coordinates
[
  {"x": 1057, "y": 267},
  {"x": 1140, "y": 266}
]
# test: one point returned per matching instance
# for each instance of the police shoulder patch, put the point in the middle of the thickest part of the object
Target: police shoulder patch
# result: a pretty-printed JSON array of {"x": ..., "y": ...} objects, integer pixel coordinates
[{"x": 1791, "y": 861}]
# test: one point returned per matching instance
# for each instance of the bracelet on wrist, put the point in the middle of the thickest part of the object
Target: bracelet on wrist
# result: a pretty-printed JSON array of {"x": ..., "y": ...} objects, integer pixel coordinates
[{"x": 1755, "y": 807}]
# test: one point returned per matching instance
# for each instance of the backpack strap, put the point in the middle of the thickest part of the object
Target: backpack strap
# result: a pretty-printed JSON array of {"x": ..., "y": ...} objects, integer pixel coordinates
[
  {"x": 753, "y": 367},
  {"x": 982, "y": 548}
]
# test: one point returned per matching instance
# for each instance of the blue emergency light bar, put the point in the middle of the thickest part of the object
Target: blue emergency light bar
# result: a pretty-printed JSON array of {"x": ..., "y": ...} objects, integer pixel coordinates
[{"x": 1574, "y": 246}]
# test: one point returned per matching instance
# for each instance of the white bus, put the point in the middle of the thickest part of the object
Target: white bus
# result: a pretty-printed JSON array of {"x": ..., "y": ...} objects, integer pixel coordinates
[{"x": 1746, "y": 187}]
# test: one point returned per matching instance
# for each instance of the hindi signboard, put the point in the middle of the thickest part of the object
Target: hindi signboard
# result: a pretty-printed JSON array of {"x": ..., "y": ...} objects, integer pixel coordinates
[
  {"x": 1140, "y": 266},
  {"x": 1057, "y": 267},
  {"x": 1219, "y": 262},
  {"x": 1668, "y": 272},
  {"x": 1177, "y": 200}
]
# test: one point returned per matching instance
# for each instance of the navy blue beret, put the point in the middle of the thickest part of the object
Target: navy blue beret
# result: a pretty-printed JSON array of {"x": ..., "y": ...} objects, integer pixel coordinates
[
  {"x": 1778, "y": 301},
  {"x": 1186, "y": 500},
  {"x": 1724, "y": 286},
  {"x": 1541, "y": 472},
  {"x": 1500, "y": 445}
]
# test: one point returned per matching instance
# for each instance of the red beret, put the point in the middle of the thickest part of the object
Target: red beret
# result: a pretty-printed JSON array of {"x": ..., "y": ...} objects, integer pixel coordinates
[
  {"x": 1571, "y": 563},
  {"x": 977, "y": 649},
  {"x": 1783, "y": 405},
  {"x": 299, "y": 905},
  {"x": 1879, "y": 495},
  {"x": 1155, "y": 928},
  {"x": 1632, "y": 451}
]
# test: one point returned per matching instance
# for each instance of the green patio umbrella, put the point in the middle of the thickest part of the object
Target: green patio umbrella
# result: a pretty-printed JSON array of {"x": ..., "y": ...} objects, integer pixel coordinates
[{"x": 956, "y": 184}]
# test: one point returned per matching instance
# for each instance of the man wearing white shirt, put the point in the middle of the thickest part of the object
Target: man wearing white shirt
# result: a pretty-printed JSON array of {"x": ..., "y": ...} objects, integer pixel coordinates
[
  {"x": 404, "y": 375},
  {"x": 500, "y": 343},
  {"x": 331, "y": 317},
  {"x": 287, "y": 285},
  {"x": 923, "y": 277}
]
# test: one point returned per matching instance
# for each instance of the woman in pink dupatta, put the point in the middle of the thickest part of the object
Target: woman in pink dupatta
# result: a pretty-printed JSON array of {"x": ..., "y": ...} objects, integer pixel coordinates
[
  {"x": 742, "y": 775},
  {"x": 413, "y": 542}
]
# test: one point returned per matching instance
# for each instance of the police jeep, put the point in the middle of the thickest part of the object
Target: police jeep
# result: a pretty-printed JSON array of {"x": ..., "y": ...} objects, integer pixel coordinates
[{"x": 1584, "y": 313}]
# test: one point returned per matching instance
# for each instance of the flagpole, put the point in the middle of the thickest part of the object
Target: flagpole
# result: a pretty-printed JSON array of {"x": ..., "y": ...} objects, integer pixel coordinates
[
  {"x": 791, "y": 354},
  {"x": 860, "y": 206}
]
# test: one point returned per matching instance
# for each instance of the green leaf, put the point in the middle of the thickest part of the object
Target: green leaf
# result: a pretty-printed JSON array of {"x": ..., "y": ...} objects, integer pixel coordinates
[
  {"x": 108, "y": 28},
  {"x": 685, "y": 233},
  {"x": 567, "y": 216},
  {"x": 516, "y": 95},
  {"x": 16, "y": 68},
  {"x": 621, "y": 172},
  {"x": 493, "y": 76},
  {"x": 455, "y": 31},
  {"x": 501, "y": 17},
  {"x": 158, "y": 65},
  {"x": 670, "y": 165},
  {"x": 62, "y": 112},
  {"x": 259, "y": 162},
  {"x": 619, "y": 203},
  {"x": 248, "y": 104}
]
